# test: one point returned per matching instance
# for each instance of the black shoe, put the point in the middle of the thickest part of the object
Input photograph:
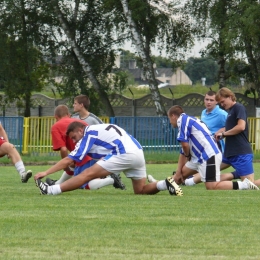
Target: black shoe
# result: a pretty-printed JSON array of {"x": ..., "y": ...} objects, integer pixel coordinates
[
  {"x": 173, "y": 187},
  {"x": 118, "y": 184},
  {"x": 43, "y": 187},
  {"x": 50, "y": 182}
]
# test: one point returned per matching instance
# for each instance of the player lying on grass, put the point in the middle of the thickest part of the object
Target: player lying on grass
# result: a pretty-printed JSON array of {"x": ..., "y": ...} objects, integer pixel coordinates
[
  {"x": 8, "y": 149},
  {"x": 116, "y": 151}
]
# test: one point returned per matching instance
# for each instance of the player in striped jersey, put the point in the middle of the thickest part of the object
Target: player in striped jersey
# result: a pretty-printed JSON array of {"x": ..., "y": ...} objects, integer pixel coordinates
[
  {"x": 200, "y": 153},
  {"x": 116, "y": 151}
]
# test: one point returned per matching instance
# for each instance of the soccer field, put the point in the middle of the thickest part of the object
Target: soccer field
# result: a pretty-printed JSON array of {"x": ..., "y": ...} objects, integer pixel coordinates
[{"x": 111, "y": 224}]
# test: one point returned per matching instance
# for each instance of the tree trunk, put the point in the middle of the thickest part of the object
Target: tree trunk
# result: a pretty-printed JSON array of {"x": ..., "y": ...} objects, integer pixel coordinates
[
  {"x": 253, "y": 65},
  {"x": 144, "y": 53},
  {"x": 27, "y": 108},
  {"x": 85, "y": 65},
  {"x": 222, "y": 72}
]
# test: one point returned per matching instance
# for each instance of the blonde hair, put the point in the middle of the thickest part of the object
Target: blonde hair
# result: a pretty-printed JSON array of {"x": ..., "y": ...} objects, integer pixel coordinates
[{"x": 225, "y": 92}]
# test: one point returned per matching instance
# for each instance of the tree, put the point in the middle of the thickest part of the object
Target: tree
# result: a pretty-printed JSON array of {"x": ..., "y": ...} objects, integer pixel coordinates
[
  {"x": 147, "y": 22},
  {"x": 245, "y": 35},
  {"x": 197, "y": 68},
  {"x": 212, "y": 17},
  {"x": 22, "y": 66}
]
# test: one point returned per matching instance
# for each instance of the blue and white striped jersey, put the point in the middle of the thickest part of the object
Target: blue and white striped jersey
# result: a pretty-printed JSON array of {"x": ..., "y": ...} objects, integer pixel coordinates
[
  {"x": 103, "y": 139},
  {"x": 196, "y": 133}
]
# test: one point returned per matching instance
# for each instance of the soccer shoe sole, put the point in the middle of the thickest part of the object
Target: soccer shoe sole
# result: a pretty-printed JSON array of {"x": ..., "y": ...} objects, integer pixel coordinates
[
  {"x": 27, "y": 176},
  {"x": 173, "y": 187}
]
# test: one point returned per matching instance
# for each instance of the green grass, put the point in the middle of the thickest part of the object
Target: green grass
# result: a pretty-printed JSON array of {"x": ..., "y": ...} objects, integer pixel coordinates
[
  {"x": 151, "y": 157},
  {"x": 114, "y": 224}
]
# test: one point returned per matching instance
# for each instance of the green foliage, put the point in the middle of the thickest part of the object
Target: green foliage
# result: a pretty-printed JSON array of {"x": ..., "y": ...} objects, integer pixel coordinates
[
  {"x": 197, "y": 68},
  {"x": 112, "y": 224},
  {"x": 23, "y": 69}
]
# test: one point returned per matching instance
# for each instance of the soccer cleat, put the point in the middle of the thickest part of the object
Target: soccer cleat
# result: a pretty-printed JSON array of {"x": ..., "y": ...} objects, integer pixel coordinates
[
  {"x": 250, "y": 184},
  {"x": 26, "y": 176},
  {"x": 118, "y": 184},
  {"x": 173, "y": 187},
  {"x": 43, "y": 187},
  {"x": 50, "y": 182},
  {"x": 151, "y": 179}
]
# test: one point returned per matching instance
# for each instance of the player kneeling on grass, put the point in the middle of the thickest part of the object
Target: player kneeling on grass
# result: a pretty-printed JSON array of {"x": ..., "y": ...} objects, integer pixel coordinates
[
  {"x": 116, "y": 151},
  {"x": 8, "y": 149},
  {"x": 200, "y": 153}
]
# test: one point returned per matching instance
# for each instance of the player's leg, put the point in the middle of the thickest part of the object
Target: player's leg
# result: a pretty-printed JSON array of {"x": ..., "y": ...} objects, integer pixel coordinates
[
  {"x": 96, "y": 183},
  {"x": 9, "y": 149},
  {"x": 94, "y": 172},
  {"x": 112, "y": 179},
  {"x": 137, "y": 173},
  {"x": 211, "y": 176},
  {"x": 223, "y": 177}
]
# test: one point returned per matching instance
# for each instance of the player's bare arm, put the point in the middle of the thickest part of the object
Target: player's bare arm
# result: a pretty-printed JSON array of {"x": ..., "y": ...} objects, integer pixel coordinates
[
  {"x": 178, "y": 177},
  {"x": 62, "y": 164}
]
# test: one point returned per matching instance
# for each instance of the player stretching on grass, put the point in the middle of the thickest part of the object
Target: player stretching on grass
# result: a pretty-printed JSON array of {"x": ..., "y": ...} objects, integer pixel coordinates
[
  {"x": 8, "y": 149},
  {"x": 200, "y": 153},
  {"x": 116, "y": 150},
  {"x": 62, "y": 143}
]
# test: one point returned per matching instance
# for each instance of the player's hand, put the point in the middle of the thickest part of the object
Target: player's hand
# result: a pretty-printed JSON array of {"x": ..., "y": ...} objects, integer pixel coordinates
[
  {"x": 218, "y": 136},
  {"x": 178, "y": 178},
  {"x": 40, "y": 175}
]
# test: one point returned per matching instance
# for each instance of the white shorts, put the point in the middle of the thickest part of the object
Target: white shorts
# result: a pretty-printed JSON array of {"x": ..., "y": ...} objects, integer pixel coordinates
[
  {"x": 132, "y": 164},
  {"x": 209, "y": 170}
]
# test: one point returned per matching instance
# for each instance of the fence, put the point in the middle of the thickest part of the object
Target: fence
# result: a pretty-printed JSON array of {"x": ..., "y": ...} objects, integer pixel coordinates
[
  {"x": 14, "y": 128},
  {"x": 33, "y": 135}
]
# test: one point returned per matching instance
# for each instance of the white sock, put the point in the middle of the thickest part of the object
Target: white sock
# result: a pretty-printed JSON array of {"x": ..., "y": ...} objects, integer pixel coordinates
[
  {"x": 63, "y": 178},
  {"x": 242, "y": 185},
  {"x": 189, "y": 182},
  {"x": 20, "y": 167},
  {"x": 151, "y": 179},
  {"x": 99, "y": 183},
  {"x": 54, "y": 190},
  {"x": 161, "y": 185}
]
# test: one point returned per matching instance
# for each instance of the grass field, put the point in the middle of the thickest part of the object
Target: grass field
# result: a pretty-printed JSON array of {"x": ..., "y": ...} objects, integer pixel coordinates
[{"x": 115, "y": 224}]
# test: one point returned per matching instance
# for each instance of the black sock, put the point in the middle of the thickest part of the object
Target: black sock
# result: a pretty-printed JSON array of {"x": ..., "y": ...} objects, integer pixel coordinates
[{"x": 235, "y": 185}]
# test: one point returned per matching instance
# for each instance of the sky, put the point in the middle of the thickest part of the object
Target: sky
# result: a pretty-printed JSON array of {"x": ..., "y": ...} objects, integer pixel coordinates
[{"x": 193, "y": 53}]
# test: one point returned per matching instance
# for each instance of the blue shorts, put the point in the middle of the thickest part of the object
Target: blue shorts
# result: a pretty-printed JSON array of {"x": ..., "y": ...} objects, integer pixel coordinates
[
  {"x": 79, "y": 169},
  {"x": 243, "y": 164}
]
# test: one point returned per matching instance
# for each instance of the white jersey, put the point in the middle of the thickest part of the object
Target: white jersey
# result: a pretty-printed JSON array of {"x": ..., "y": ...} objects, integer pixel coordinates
[
  {"x": 101, "y": 140},
  {"x": 196, "y": 133}
]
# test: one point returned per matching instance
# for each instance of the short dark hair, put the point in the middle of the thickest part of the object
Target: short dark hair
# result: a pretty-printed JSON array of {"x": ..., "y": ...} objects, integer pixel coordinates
[
  {"x": 211, "y": 93},
  {"x": 175, "y": 110},
  {"x": 73, "y": 126},
  {"x": 83, "y": 99}
]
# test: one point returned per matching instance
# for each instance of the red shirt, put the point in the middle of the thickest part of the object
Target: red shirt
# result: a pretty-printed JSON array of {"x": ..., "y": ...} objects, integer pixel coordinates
[{"x": 58, "y": 133}]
